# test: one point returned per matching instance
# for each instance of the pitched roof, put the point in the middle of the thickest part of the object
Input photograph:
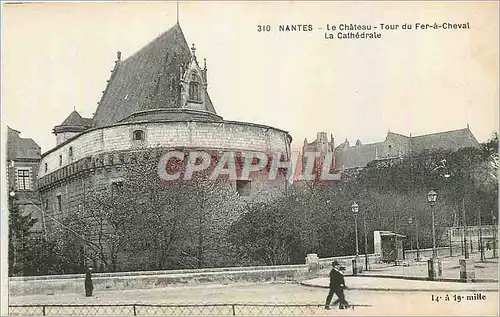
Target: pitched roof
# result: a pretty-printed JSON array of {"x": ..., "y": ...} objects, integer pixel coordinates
[
  {"x": 146, "y": 80},
  {"x": 75, "y": 119},
  {"x": 356, "y": 156},
  {"x": 360, "y": 155},
  {"x": 21, "y": 148},
  {"x": 451, "y": 140}
]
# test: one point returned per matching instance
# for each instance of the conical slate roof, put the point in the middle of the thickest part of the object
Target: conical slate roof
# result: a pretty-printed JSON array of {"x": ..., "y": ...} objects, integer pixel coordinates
[
  {"x": 74, "y": 123},
  {"x": 147, "y": 80},
  {"x": 75, "y": 119}
]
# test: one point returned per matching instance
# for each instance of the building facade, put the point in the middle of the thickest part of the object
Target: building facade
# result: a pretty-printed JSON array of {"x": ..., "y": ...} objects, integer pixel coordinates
[
  {"x": 23, "y": 159},
  {"x": 397, "y": 145}
]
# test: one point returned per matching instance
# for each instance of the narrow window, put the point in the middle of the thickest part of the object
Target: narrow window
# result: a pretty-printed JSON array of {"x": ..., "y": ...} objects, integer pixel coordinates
[
  {"x": 46, "y": 167},
  {"x": 59, "y": 203},
  {"x": 194, "y": 91},
  {"x": 138, "y": 135},
  {"x": 243, "y": 187},
  {"x": 70, "y": 151},
  {"x": 60, "y": 160}
]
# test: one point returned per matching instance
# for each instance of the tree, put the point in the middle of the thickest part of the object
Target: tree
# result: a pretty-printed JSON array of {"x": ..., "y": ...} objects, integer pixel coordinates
[
  {"x": 20, "y": 234},
  {"x": 145, "y": 222}
]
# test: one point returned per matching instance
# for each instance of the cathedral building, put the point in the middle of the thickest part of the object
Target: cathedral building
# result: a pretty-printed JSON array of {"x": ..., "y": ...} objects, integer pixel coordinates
[
  {"x": 397, "y": 145},
  {"x": 350, "y": 157}
]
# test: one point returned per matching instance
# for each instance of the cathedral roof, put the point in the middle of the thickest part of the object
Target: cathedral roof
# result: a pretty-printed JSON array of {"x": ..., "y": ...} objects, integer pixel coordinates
[
  {"x": 358, "y": 156},
  {"x": 147, "y": 80},
  {"x": 444, "y": 140}
]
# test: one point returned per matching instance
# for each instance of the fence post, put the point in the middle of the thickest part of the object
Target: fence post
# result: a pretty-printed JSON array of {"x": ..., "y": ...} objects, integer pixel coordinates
[
  {"x": 234, "y": 311},
  {"x": 43, "y": 310},
  {"x": 135, "y": 312}
]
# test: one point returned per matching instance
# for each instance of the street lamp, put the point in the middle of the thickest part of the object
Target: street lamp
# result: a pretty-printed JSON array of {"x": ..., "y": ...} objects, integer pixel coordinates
[
  {"x": 355, "y": 209},
  {"x": 366, "y": 240},
  {"x": 495, "y": 237},
  {"x": 410, "y": 221},
  {"x": 432, "y": 198},
  {"x": 416, "y": 238},
  {"x": 480, "y": 244}
]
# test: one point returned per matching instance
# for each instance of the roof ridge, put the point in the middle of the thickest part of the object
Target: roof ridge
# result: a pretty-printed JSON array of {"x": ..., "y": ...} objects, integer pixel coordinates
[{"x": 441, "y": 132}]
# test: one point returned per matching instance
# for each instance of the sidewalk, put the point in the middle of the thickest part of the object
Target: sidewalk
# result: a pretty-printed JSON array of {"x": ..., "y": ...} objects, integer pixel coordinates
[
  {"x": 401, "y": 285},
  {"x": 387, "y": 277},
  {"x": 484, "y": 271}
]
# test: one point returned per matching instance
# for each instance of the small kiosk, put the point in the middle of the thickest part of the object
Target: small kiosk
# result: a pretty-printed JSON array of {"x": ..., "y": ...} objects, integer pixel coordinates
[{"x": 389, "y": 245}]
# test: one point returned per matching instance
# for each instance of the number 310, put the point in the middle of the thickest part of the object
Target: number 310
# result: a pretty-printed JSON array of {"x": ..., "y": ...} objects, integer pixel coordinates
[{"x": 263, "y": 28}]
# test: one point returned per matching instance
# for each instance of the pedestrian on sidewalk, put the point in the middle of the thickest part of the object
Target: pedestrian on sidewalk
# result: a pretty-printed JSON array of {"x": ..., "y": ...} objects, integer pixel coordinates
[
  {"x": 337, "y": 286},
  {"x": 89, "y": 287}
]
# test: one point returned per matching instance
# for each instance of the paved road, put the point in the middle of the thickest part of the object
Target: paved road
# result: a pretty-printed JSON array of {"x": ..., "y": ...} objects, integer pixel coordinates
[{"x": 382, "y": 303}]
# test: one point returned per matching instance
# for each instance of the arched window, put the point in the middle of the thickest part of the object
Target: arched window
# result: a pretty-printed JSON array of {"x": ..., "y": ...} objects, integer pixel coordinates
[{"x": 138, "y": 135}]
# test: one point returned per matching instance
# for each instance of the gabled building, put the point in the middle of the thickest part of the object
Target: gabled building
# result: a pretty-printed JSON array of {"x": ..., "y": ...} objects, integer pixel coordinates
[
  {"x": 396, "y": 145},
  {"x": 23, "y": 159}
]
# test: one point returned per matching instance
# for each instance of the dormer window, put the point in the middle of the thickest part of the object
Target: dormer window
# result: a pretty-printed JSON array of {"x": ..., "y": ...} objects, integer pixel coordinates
[
  {"x": 194, "y": 88},
  {"x": 138, "y": 135},
  {"x": 194, "y": 91}
]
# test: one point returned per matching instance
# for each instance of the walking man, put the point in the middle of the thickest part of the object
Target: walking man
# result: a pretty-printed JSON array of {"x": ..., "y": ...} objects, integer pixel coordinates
[
  {"x": 337, "y": 285},
  {"x": 89, "y": 287}
]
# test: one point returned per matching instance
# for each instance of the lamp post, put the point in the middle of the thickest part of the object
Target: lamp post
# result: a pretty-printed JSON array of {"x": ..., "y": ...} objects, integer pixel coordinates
[
  {"x": 355, "y": 209},
  {"x": 450, "y": 233},
  {"x": 410, "y": 221},
  {"x": 464, "y": 224},
  {"x": 366, "y": 240},
  {"x": 495, "y": 255},
  {"x": 432, "y": 198},
  {"x": 480, "y": 245},
  {"x": 416, "y": 238}
]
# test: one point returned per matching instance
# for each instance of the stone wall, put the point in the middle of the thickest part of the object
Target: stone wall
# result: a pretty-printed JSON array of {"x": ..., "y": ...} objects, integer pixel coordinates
[
  {"x": 74, "y": 283},
  {"x": 346, "y": 261},
  {"x": 226, "y": 135},
  {"x": 98, "y": 157}
]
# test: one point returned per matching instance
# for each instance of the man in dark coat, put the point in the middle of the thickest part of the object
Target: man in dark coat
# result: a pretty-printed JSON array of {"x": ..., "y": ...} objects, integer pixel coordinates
[
  {"x": 89, "y": 287},
  {"x": 337, "y": 285}
]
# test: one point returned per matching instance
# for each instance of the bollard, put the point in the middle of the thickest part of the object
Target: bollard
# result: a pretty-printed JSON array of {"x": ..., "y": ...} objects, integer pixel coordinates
[
  {"x": 354, "y": 267},
  {"x": 312, "y": 261},
  {"x": 467, "y": 273},
  {"x": 434, "y": 268}
]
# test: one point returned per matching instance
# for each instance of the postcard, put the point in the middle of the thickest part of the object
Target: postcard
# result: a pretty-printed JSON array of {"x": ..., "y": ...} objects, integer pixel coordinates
[{"x": 250, "y": 158}]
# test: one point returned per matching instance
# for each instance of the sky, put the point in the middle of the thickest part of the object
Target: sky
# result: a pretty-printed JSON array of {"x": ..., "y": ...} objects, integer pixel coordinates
[{"x": 58, "y": 56}]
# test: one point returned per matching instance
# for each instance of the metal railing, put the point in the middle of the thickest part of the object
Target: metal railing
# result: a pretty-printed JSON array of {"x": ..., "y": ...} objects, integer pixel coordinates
[{"x": 234, "y": 309}]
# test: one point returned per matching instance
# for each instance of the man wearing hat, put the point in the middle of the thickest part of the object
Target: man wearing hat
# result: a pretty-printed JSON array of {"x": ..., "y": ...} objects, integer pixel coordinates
[
  {"x": 337, "y": 285},
  {"x": 89, "y": 287}
]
